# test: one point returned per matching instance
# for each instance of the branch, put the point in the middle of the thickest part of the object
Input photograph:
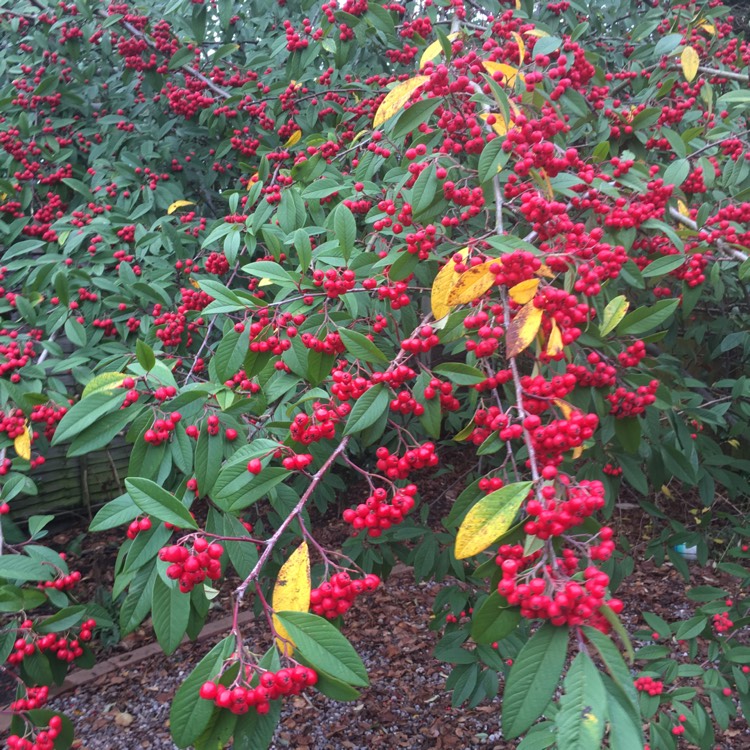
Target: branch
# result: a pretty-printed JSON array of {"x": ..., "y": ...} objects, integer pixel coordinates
[{"x": 720, "y": 244}]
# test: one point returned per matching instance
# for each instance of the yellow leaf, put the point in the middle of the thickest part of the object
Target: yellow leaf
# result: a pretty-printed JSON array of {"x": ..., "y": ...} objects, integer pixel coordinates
[
  {"x": 518, "y": 4},
  {"x": 547, "y": 184},
  {"x": 434, "y": 50},
  {"x": 666, "y": 491},
  {"x": 614, "y": 312},
  {"x": 489, "y": 519},
  {"x": 523, "y": 329},
  {"x": 564, "y": 407},
  {"x": 194, "y": 283},
  {"x": 472, "y": 284},
  {"x": 554, "y": 342},
  {"x": 682, "y": 208},
  {"x": 521, "y": 46},
  {"x": 709, "y": 27},
  {"x": 499, "y": 125},
  {"x": 690, "y": 61},
  {"x": 293, "y": 138},
  {"x": 22, "y": 444},
  {"x": 265, "y": 282},
  {"x": 536, "y": 32},
  {"x": 546, "y": 271},
  {"x": 577, "y": 452},
  {"x": 179, "y": 204},
  {"x": 396, "y": 98},
  {"x": 107, "y": 381},
  {"x": 291, "y": 592},
  {"x": 524, "y": 292},
  {"x": 444, "y": 280},
  {"x": 508, "y": 71},
  {"x": 465, "y": 432}
]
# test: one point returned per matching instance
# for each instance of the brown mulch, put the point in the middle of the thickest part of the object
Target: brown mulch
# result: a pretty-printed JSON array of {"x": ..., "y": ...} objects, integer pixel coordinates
[{"x": 406, "y": 705}]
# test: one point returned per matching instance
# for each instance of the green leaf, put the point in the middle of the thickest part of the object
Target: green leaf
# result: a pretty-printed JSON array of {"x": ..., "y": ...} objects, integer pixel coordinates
[
  {"x": 662, "y": 266},
  {"x": 367, "y": 409},
  {"x": 582, "y": 716},
  {"x": 494, "y": 620},
  {"x": 170, "y": 611},
  {"x": 644, "y": 319},
  {"x": 115, "y": 513},
  {"x": 231, "y": 353},
  {"x": 66, "y": 618},
  {"x": 157, "y": 502},
  {"x": 86, "y": 412},
  {"x": 190, "y": 714},
  {"x": 255, "y": 731},
  {"x": 100, "y": 434},
  {"x": 268, "y": 269},
  {"x": 533, "y": 679},
  {"x": 460, "y": 373},
  {"x": 145, "y": 355},
  {"x": 243, "y": 555},
  {"x": 615, "y": 665},
  {"x": 324, "y": 647},
  {"x": 208, "y": 454},
  {"x": 107, "y": 381},
  {"x": 181, "y": 57},
  {"x": 360, "y": 347},
  {"x": 344, "y": 229},
  {"x": 628, "y": 431},
  {"x": 21, "y": 568},
  {"x": 691, "y": 628}
]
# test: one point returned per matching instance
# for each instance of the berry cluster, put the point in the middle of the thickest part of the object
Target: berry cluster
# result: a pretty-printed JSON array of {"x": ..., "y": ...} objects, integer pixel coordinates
[
  {"x": 13, "y": 424},
  {"x": 43, "y": 740},
  {"x": 425, "y": 340},
  {"x": 137, "y": 525},
  {"x": 321, "y": 426},
  {"x": 49, "y": 415},
  {"x": 624, "y": 403},
  {"x": 721, "y": 623},
  {"x": 649, "y": 685},
  {"x": 162, "y": 428},
  {"x": 273, "y": 685},
  {"x": 399, "y": 467},
  {"x": 335, "y": 281},
  {"x": 297, "y": 462},
  {"x": 633, "y": 355},
  {"x": 557, "y": 598},
  {"x": 63, "y": 583},
  {"x": 375, "y": 514},
  {"x": 63, "y": 649},
  {"x": 36, "y": 697},
  {"x": 193, "y": 567},
  {"x": 335, "y": 596},
  {"x": 555, "y": 516}
]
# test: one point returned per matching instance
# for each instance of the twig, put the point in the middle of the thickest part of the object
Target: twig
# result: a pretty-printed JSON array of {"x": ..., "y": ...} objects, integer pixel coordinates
[{"x": 720, "y": 244}]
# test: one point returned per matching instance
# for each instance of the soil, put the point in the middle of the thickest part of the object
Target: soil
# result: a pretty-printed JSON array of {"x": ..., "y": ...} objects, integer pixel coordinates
[{"x": 406, "y": 705}]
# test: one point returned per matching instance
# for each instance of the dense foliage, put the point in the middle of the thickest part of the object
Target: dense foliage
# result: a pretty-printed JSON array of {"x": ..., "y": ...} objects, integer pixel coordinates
[{"x": 297, "y": 253}]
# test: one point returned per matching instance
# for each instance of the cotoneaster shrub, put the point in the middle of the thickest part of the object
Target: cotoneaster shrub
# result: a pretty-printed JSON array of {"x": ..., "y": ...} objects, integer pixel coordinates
[{"x": 279, "y": 246}]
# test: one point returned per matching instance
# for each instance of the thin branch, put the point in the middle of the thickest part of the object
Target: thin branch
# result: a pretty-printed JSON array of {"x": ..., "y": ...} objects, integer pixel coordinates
[{"x": 720, "y": 244}]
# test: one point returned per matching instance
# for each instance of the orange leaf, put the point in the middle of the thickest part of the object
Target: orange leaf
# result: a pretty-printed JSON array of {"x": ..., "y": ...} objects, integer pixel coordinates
[
  {"x": 554, "y": 341},
  {"x": 472, "y": 284},
  {"x": 523, "y": 329},
  {"x": 524, "y": 292}
]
